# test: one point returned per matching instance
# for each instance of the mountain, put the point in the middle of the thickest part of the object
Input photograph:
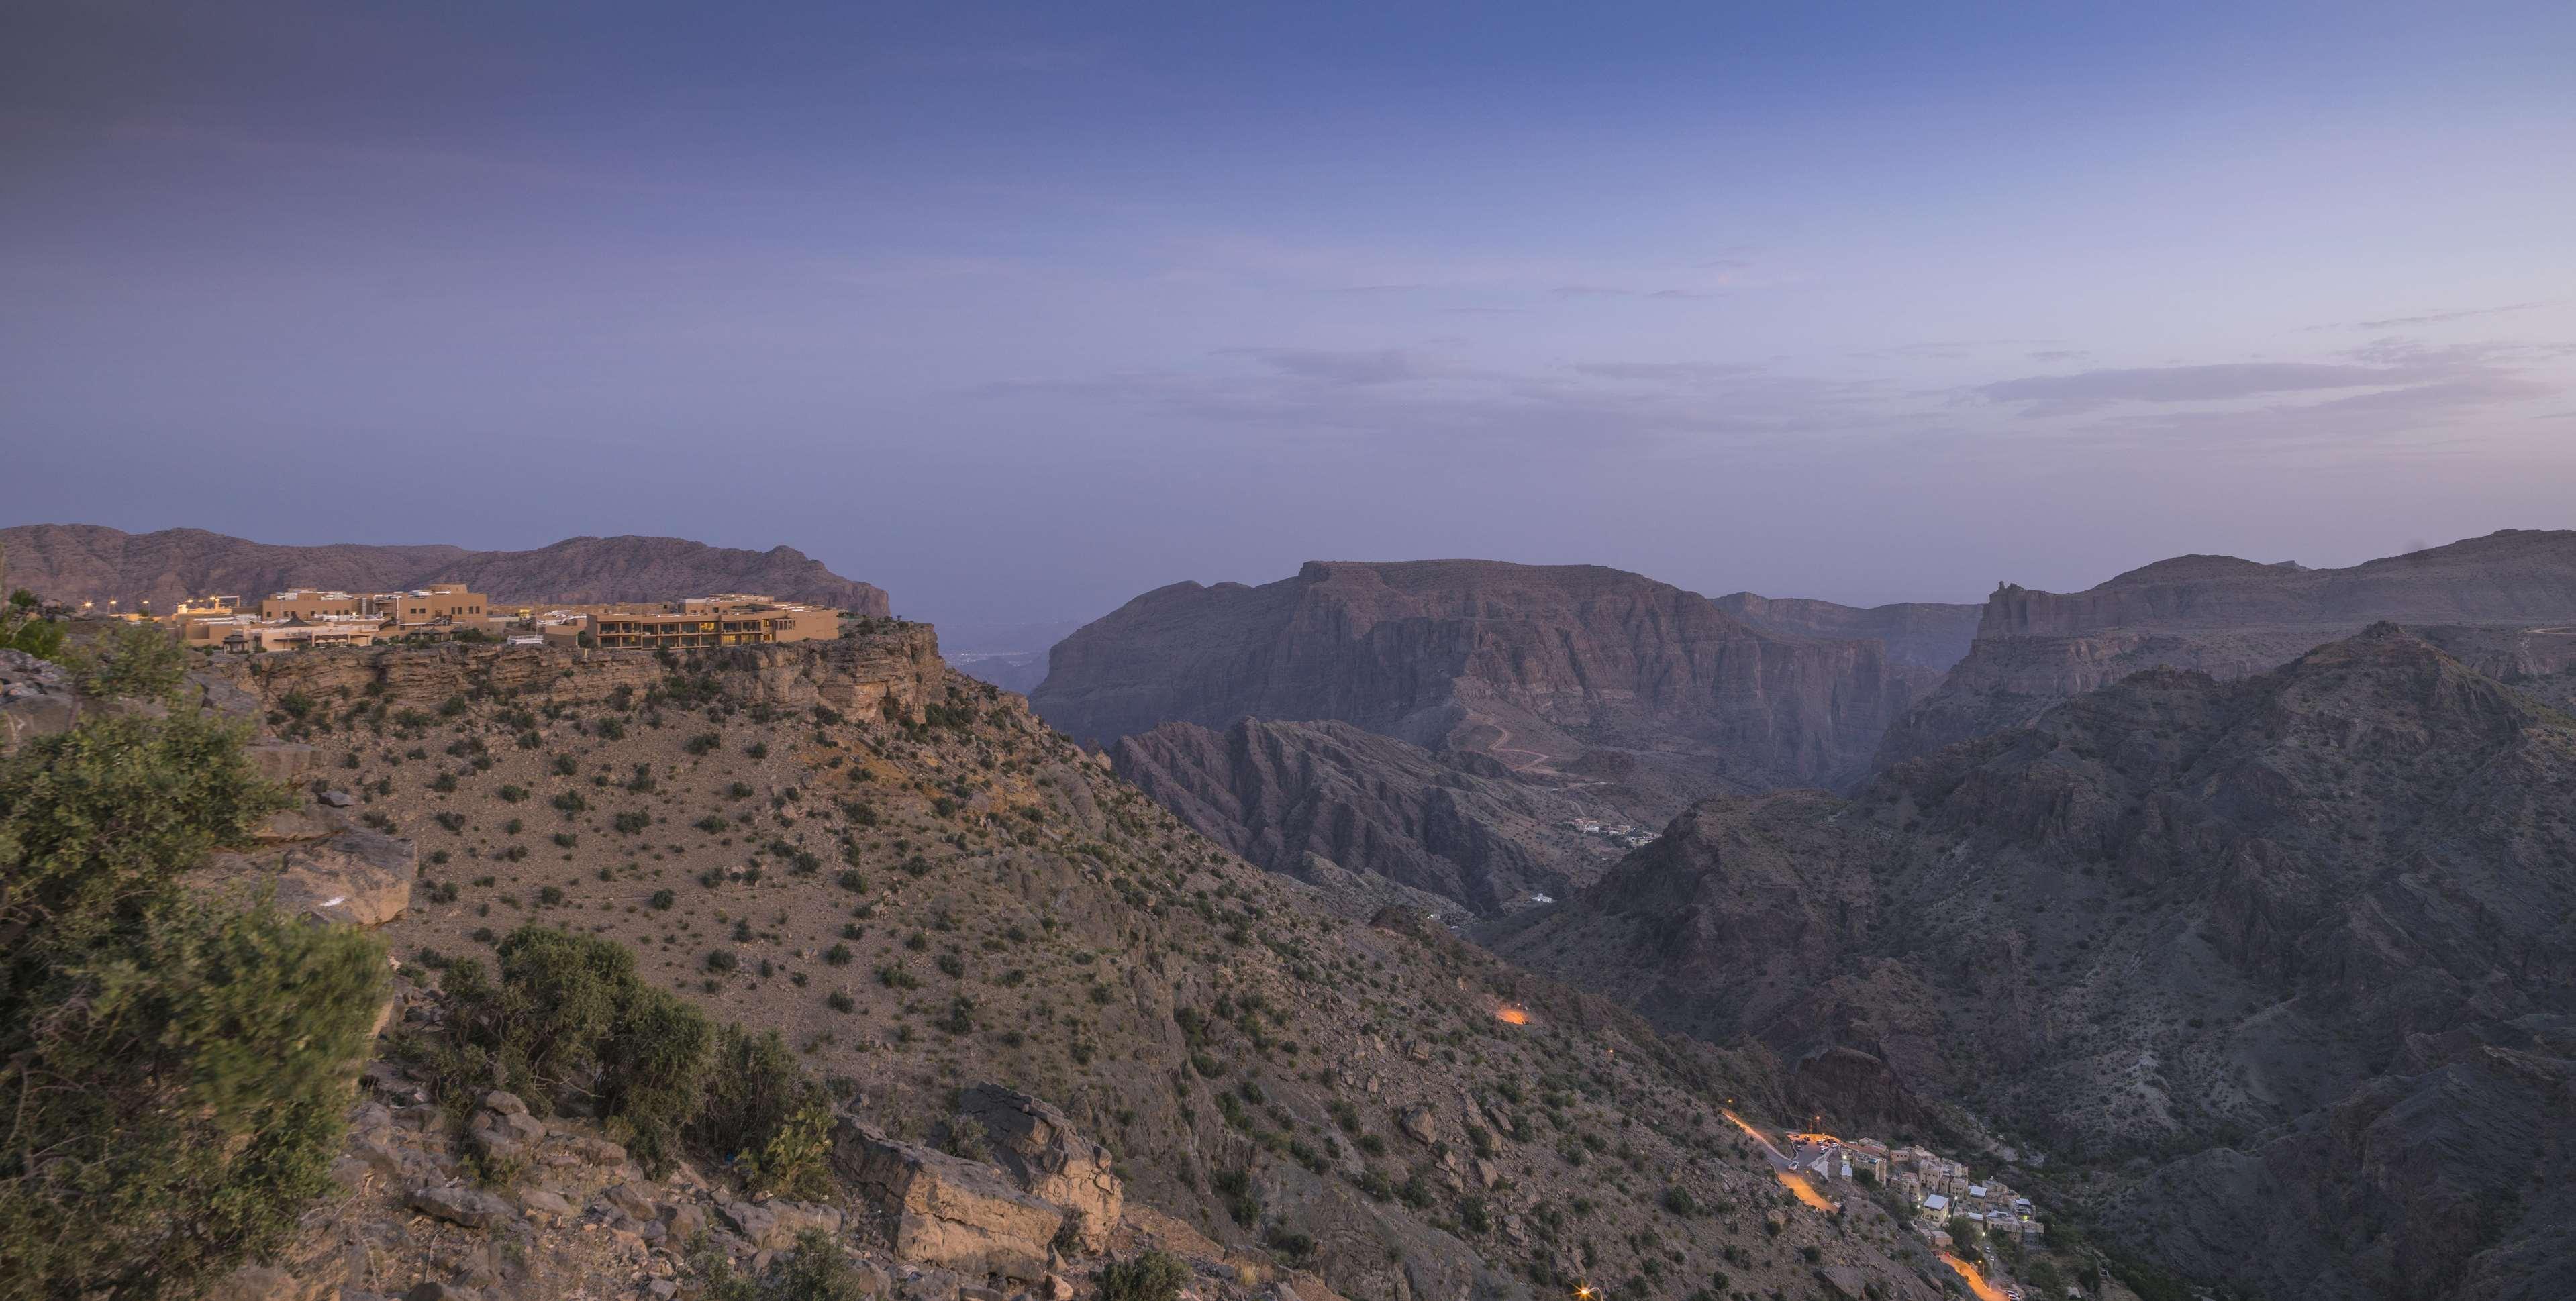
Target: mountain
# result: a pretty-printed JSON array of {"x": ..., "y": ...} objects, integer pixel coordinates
[
  {"x": 87, "y": 562},
  {"x": 1919, "y": 634},
  {"x": 2288, "y": 959},
  {"x": 2227, "y": 617},
  {"x": 1458, "y": 826},
  {"x": 927, "y": 891},
  {"x": 1576, "y": 669}
]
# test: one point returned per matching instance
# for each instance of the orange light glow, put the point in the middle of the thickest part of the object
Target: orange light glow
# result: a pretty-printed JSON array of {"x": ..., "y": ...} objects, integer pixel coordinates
[
  {"x": 1806, "y": 1191},
  {"x": 1513, "y": 1014},
  {"x": 1977, "y": 1283}
]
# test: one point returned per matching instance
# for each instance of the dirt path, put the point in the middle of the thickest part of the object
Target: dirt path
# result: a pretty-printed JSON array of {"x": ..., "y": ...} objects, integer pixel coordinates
[{"x": 1498, "y": 748}]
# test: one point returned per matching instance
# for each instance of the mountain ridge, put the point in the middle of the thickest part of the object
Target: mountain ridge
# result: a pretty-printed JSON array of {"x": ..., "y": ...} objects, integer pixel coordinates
[{"x": 88, "y": 562}]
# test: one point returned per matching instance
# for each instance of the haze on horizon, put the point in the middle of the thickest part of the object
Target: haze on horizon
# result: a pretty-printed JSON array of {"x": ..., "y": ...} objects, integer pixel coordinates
[{"x": 1017, "y": 311}]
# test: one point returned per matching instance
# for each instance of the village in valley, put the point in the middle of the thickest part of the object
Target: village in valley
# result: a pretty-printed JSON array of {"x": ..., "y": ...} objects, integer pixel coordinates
[{"x": 1978, "y": 1224}]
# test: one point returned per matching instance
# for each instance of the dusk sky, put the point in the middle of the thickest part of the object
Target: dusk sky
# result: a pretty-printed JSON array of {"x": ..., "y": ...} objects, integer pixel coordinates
[{"x": 1020, "y": 311}]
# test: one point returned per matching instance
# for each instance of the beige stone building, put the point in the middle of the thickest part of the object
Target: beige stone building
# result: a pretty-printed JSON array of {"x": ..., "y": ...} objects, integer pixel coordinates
[
  {"x": 729, "y": 620},
  {"x": 250, "y": 634}
]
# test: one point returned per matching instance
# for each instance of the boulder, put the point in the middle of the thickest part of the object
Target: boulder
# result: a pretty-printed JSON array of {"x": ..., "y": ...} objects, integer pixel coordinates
[
  {"x": 757, "y": 1224},
  {"x": 356, "y": 876},
  {"x": 282, "y": 761},
  {"x": 1421, "y": 1125},
  {"x": 261, "y": 1283},
  {"x": 1039, "y": 1148},
  {"x": 943, "y": 1210},
  {"x": 471, "y": 1207}
]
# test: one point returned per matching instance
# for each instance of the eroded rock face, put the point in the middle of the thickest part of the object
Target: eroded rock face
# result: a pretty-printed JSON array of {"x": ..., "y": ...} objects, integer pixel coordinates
[
  {"x": 361, "y": 877},
  {"x": 2324, "y": 905},
  {"x": 1460, "y": 826},
  {"x": 1038, "y": 1147},
  {"x": 942, "y": 1210},
  {"x": 1535, "y": 665}
]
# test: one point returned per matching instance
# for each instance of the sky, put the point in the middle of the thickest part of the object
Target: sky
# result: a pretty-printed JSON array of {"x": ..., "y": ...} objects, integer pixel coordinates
[{"x": 1019, "y": 311}]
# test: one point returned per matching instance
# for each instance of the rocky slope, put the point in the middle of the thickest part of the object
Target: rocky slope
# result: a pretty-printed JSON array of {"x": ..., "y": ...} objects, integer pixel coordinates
[
  {"x": 925, "y": 889},
  {"x": 1918, "y": 634},
  {"x": 2226, "y": 617},
  {"x": 2294, "y": 954},
  {"x": 1461, "y": 827},
  {"x": 72, "y": 563},
  {"x": 1573, "y": 668}
]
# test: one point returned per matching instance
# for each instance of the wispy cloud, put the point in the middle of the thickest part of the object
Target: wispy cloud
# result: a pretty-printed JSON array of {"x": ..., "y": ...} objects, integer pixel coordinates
[{"x": 2430, "y": 318}]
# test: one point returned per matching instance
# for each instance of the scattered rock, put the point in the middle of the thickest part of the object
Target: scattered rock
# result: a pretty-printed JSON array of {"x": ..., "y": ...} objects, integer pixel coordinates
[{"x": 471, "y": 1207}]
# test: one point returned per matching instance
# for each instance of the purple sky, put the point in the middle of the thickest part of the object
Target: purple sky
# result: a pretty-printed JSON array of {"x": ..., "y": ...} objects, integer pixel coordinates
[{"x": 1018, "y": 311}]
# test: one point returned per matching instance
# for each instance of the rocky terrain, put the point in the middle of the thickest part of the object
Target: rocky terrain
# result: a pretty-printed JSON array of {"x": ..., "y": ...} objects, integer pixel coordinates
[
  {"x": 944, "y": 908},
  {"x": 2228, "y": 618},
  {"x": 1308, "y": 798},
  {"x": 72, "y": 563},
  {"x": 1918, "y": 634},
  {"x": 2287, "y": 959},
  {"x": 1572, "y": 668}
]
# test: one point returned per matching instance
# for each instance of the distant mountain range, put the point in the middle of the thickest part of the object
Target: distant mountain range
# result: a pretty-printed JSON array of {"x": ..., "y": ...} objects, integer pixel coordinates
[
  {"x": 88, "y": 562},
  {"x": 2227, "y": 617}
]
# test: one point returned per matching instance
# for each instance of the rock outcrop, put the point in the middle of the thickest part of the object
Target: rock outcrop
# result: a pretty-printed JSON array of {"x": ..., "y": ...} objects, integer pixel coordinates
[
  {"x": 1039, "y": 1148},
  {"x": 2228, "y": 618},
  {"x": 1541, "y": 667},
  {"x": 868, "y": 673},
  {"x": 945, "y": 1210},
  {"x": 2295, "y": 950},
  {"x": 72, "y": 563},
  {"x": 361, "y": 877}
]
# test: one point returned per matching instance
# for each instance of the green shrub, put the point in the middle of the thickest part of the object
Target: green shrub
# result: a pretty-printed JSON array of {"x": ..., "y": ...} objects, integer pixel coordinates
[
  {"x": 568, "y": 1012},
  {"x": 140, "y": 661},
  {"x": 816, "y": 1269},
  {"x": 210, "y": 1049},
  {"x": 1154, "y": 1276},
  {"x": 766, "y": 1115}
]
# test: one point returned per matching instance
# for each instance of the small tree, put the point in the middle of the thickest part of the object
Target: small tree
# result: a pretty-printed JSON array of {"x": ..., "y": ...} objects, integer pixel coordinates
[
  {"x": 140, "y": 661},
  {"x": 179, "y": 1071}
]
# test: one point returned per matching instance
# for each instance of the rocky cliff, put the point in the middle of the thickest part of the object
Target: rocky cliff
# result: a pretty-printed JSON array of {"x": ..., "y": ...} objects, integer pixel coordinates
[
  {"x": 1576, "y": 668},
  {"x": 891, "y": 673},
  {"x": 2226, "y": 617},
  {"x": 2296, "y": 949},
  {"x": 73, "y": 563},
  {"x": 1918, "y": 634},
  {"x": 1459, "y": 826}
]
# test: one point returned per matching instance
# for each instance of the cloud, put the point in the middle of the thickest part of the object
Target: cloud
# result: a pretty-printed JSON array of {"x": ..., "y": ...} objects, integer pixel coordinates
[
  {"x": 2430, "y": 318},
  {"x": 2059, "y": 354},
  {"x": 2084, "y": 390},
  {"x": 1343, "y": 366},
  {"x": 1665, "y": 372}
]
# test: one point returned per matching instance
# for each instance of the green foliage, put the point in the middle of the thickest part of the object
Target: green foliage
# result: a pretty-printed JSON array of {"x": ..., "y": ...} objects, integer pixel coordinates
[
  {"x": 95, "y": 823},
  {"x": 816, "y": 1269},
  {"x": 1154, "y": 1276},
  {"x": 762, "y": 1110},
  {"x": 569, "y": 1013},
  {"x": 177, "y": 1072},
  {"x": 139, "y": 661}
]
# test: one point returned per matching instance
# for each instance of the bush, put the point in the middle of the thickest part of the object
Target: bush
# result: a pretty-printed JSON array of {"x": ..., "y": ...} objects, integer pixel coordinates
[
  {"x": 140, "y": 661},
  {"x": 816, "y": 1269},
  {"x": 765, "y": 1114},
  {"x": 211, "y": 1048},
  {"x": 568, "y": 1012},
  {"x": 703, "y": 743},
  {"x": 1153, "y": 1276}
]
